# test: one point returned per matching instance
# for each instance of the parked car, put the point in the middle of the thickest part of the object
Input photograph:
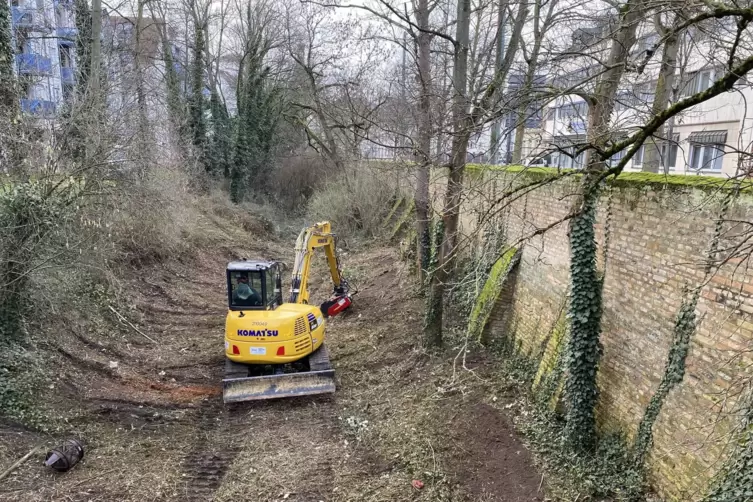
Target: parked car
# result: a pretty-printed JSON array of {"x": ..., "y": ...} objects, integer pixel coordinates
[{"x": 536, "y": 161}]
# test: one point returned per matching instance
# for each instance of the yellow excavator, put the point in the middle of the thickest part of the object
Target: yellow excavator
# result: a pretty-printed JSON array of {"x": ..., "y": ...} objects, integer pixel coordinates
[{"x": 275, "y": 349}]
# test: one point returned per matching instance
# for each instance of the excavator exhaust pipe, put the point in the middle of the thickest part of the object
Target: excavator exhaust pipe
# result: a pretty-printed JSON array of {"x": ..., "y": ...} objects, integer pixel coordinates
[{"x": 278, "y": 386}]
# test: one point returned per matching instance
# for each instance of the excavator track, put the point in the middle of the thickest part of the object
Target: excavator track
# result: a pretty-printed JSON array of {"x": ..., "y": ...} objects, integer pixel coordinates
[
  {"x": 319, "y": 360},
  {"x": 319, "y": 379},
  {"x": 204, "y": 466}
]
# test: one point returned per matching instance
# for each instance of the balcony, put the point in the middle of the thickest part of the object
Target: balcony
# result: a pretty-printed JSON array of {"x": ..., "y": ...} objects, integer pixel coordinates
[
  {"x": 68, "y": 75},
  {"x": 33, "y": 64},
  {"x": 66, "y": 35},
  {"x": 27, "y": 18},
  {"x": 180, "y": 70},
  {"x": 38, "y": 107}
]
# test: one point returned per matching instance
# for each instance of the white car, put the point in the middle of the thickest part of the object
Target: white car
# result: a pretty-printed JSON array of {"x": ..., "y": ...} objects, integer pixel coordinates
[{"x": 536, "y": 161}]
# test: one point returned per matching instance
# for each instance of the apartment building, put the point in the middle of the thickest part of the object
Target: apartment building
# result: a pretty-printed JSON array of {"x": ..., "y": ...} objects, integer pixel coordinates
[
  {"x": 44, "y": 37},
  {"x": 711, "y": 138}
]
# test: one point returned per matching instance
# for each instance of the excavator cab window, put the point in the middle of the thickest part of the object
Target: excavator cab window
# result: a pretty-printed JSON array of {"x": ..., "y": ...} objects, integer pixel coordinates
[
  {"x": 246, "y": 289},
  {"x": 270, "y": 277}
]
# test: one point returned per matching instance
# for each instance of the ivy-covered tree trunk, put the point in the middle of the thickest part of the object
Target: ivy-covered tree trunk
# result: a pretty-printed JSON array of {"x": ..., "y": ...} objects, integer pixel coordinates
[
  {"x": 198, "y": 127},
  {"x": 8, "y": 90},
  {"x": 175, "y": 106},
  {"x": 74, "y": 143},
  {"x": 145, "y": 139},
  {"x": 257, "y": 120},
  {"x": 219, "y": 156},
  {"x": 584, "y": 349},
  {"x": 11, "y": 150},
  {"x": 83, "y": 44}
]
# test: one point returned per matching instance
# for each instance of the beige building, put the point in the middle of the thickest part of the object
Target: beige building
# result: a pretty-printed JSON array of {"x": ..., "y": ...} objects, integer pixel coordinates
[{"x": 712, "y": 138}]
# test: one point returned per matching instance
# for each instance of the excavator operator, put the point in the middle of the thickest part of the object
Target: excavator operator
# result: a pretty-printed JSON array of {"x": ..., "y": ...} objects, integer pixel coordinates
[{"x": 244, "y": 295}]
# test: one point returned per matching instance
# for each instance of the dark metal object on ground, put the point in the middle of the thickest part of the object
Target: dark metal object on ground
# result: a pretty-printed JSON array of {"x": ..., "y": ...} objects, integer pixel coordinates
[{"x": 65, "y": 456}]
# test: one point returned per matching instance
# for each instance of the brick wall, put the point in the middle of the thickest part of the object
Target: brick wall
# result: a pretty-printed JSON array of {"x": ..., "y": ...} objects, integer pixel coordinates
[{"x": 658, "y": 239}]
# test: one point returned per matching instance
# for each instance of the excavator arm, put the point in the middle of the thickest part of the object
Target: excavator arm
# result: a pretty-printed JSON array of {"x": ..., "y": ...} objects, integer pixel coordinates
[{"x": 316, "y": 236}]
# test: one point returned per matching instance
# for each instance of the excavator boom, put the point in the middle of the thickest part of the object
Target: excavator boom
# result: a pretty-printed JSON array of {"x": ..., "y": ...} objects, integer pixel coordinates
[{"x": 311, "y": 238}]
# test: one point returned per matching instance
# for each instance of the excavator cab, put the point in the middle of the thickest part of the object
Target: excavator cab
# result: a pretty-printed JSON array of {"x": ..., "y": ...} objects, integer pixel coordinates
[{"x": 254, "y": 285}]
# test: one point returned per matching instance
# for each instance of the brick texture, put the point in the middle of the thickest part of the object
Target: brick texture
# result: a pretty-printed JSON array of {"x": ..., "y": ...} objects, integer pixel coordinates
[{"x": 658, "y": 241}]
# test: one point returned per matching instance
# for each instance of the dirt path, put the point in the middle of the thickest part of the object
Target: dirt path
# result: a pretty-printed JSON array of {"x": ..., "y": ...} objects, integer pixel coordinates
[{"x": 156, "y": 428}]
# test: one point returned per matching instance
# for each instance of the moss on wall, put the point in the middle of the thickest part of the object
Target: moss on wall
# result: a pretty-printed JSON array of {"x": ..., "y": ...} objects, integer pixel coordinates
[
  {"x": 488, "y": 295},
  {"x": 631, "y": 180},
  {"x": 553, "y": 350},
  {"x": 404, "y": 218},
  {"x": 393, "y": 211}
]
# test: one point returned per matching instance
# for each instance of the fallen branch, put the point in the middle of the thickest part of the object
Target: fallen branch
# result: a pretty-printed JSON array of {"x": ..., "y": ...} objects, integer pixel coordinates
[
  {"x": 19, "y": 463},
  {"x": 137, "y": 330}
]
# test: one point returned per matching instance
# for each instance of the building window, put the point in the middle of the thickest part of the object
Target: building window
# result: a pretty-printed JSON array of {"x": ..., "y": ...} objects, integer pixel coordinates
[
  {"x": 572, "y": 110},
  {"x": 672, "y": 155},
  {"x": 638, "y": 157},
  {"x": 706, "y": 157},
  {"x": 698, "y": 82},
  {"x": 616, "y": 158},
  {"x": 567, "y": 161}
]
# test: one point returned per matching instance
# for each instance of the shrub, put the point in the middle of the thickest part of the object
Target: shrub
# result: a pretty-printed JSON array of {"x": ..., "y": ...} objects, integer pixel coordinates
[
  {"x": 355, "y": 202},
  {"x": 155, "y": 219},
  {"x": 297, "y": 179}
]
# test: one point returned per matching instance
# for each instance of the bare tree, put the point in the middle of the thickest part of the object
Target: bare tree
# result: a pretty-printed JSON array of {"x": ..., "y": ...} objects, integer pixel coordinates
[{"x": 468, "y": 116}]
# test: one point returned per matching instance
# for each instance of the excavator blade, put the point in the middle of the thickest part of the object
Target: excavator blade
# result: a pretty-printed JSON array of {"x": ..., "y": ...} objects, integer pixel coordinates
[{"x": 278, "y": 386}]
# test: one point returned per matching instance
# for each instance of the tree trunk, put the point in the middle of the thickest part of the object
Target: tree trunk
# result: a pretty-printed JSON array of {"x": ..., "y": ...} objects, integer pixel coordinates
[
  {"x": 464, "y": 124},
  {"x": 450, "y": 214},
  {"x": 198, "y": 127},
  {"x": 498, "y": 62},
  {"x": 665, "y": 82},
  {"x": 424, "y": 141},
  {"x": 83, "y": 46},
  {"x": 527, "y": 88},
  {"x": 144, "y": 142},
  {"x": 584, "y": 346},
  {"x": 10, "y": 150},
  {"x": 8, "y": 91},
  {"x": 174, "y": 104},
  {"x": 523, "y": 108},
  {"x": 94, "y": 109},
  {"x": 96, "y": 49}
]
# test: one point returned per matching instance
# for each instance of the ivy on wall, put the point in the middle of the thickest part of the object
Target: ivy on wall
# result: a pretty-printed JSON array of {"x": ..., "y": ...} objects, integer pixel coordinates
[
  {"x": 735, "y": 481},
  {"x": 684, "y": 328},
  {"x": 674, "y": 372},
  {"x": 579, "y": 349}
]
